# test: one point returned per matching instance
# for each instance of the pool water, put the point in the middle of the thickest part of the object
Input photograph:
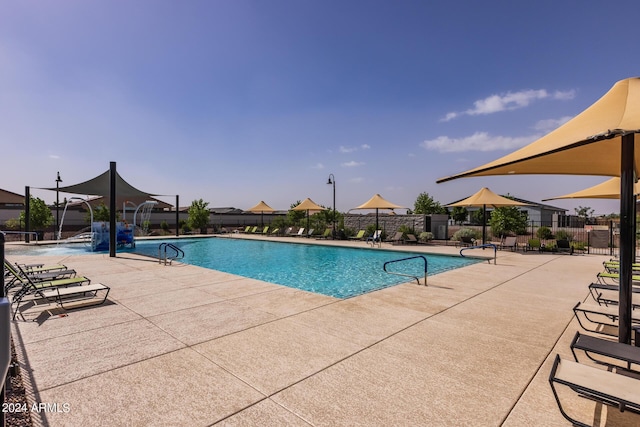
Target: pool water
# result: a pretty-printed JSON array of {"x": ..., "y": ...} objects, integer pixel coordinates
[
  {"x": 335, "y": 271},
  {"x": 339, "y": 272}
]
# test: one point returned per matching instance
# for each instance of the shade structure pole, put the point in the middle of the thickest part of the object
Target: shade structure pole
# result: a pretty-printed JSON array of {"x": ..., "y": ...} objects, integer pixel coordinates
[
  {"x": 27, "y": 213},
  {"x": 484, "y": 224},
  {"x": 627, "y": 237},
  {"x": 177, "y": 215},
  {"x": 112, "y": 210}
]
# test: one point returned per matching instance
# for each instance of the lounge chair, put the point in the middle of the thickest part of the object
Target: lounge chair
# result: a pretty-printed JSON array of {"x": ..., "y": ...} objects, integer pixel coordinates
[
  {"x": 265, "y": 230},
  {"x": 397, "y": 238},
  {"x": 61, "y": 292},
  {"x": 615, "y": 277},
  {"x": 596, "y": 384},
  {"x": 325, "y": 235},
  {"x": 591, "y": 346},
  {"x": 509, "y": 242},
  {"x": 564, "y": 245},
  {"x": 358, "y": 236},
  {"x": 614, "y": 267},
  {"x": 466, "y": 241},
  {"x": 596, "y": 288},
  {"x": 300, "y": 232},
  {"x": 600, "y": 318},
  {"x": 14, "y": 275},
  {"x": 275, "y": 231},
  {"x": 611, "y": 297},
  {"x": 375, "y": 238},
  {"x": 411, "y": 238}
]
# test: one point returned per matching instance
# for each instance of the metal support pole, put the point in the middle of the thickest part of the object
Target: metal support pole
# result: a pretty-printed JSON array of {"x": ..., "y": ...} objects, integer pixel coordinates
[
  {"x": 27, "y": 213},
  {"x": 112, "y": 209},
  {"x": 58, "y": 181},
  {"x": 177, "y": 215},
  {"x": 627, "y": 237}
]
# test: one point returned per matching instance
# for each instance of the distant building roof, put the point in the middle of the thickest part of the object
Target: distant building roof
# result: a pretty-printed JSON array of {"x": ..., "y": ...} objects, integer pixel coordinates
[{"x": 7, "y": 198}]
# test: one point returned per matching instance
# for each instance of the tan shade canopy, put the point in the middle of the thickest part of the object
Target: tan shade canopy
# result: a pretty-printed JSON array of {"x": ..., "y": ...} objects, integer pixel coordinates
[
  {"x": 308, "y": 205},
  {"x": 378, "y": 202},
  {"x": 261, "y": 207},
  {"x": 602, "y": 140},
  {"x": 610, "y": 189},
  {"x": 486, "y": 197},
  {"x": 588, "y": 144}
]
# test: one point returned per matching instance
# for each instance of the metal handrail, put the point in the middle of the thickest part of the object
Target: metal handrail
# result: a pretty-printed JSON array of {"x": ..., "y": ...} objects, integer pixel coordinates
[
  {"x": 486, "y": 245},
  {"x": 179, "y": 253},
  {"x": 30, "y": 233},
  {"x": 384, "y": 266}
]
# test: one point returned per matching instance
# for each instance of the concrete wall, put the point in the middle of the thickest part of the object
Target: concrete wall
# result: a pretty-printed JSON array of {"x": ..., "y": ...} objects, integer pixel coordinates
[{"x": 390, "y": 224}]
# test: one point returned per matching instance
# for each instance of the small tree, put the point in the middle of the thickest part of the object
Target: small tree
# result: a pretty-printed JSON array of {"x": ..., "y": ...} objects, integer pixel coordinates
[
  {"x": 199, "y": 215},
  {"x": 296, "y": 217},
  {"x": 584, "y": 212},
  {"x": 508, "y": 219},
  {"x": 39, "y": 214},
  {"x": 425, "y": 205},
  {"x": 100, "y": 213},
  {"x": 544, "y": 233},
  {"x": 459, "y": 214}
]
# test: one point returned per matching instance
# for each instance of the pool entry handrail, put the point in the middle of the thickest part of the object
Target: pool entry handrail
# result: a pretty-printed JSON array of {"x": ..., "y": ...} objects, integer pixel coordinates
[
  {"x": 486, "y": 245},
  {"x": 162, "y": 253},
  {"x": 384, "y": 266}
]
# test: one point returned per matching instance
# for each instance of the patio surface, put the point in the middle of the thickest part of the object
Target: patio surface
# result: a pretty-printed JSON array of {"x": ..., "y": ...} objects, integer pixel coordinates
[{"x": 182, "y": 345}]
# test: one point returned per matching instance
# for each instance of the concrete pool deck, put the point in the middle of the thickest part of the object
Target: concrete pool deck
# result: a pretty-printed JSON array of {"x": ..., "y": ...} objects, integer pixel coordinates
[{"x": 182, "y": 345}]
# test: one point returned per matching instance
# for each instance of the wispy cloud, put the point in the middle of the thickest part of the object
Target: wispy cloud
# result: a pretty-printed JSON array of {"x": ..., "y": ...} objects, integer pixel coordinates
[
  {"x": 356, "y": 180},
  {"x": 479, "y": 141},
  {"x": 317, "y": 166},
  {"x": 344, "y": 149},
  {"x": 352, "y": 164},
  {"x": 54, "y": 156},
  {"x": 508, "y": 101},
  {"x": 551, "y": 124}
]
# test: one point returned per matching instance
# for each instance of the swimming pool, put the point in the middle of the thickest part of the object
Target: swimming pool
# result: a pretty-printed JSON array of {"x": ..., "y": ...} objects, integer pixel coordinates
[
  {"x": 335, "y": 271},
  {"x": 339, "y": 272}
]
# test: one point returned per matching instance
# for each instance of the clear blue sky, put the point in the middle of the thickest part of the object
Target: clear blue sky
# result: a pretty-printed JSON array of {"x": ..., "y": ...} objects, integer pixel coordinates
[{"x": 240, "y": 101}]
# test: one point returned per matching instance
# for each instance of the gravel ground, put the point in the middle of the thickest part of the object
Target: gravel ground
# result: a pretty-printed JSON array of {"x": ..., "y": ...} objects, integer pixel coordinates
[{"x": 16, "y": 408}]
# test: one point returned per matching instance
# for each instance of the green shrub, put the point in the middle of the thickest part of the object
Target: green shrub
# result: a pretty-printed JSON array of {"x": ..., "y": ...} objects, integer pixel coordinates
[
  {"x": 563, "y": 235},
  {"x": 405, "y": 229},
  {"x": 544, "y": 233},
  {"x": 466, "y": 232},
  {"x": 426, "y": 236}
]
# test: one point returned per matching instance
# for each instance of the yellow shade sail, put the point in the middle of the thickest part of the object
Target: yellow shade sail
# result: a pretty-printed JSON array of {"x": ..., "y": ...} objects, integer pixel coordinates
[
  {"x": 610, "y": 189},
  {"x": 588, "y": 144},
  {"x": 486, "y": 197},
  {"x": 602, "y": 140}
]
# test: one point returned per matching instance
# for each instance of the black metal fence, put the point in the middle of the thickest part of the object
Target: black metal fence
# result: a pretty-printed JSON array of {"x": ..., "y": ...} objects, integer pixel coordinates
[{"x": 601, "y": 239}]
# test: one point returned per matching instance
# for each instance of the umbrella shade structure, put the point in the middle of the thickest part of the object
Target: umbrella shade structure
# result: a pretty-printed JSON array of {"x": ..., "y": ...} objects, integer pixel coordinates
[
  {"x": 378, "y": 202},
  {"x": 261, "y": 207},
  {"x": 483, "y": 198},
  {"x": 610, "y": 189},
  {"x": 308, "y": 205},
  {"x": 602, "y": 140}
]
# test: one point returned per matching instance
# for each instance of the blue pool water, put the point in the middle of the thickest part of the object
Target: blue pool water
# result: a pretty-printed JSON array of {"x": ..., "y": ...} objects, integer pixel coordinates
[{"x": 335, "y": 271}]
